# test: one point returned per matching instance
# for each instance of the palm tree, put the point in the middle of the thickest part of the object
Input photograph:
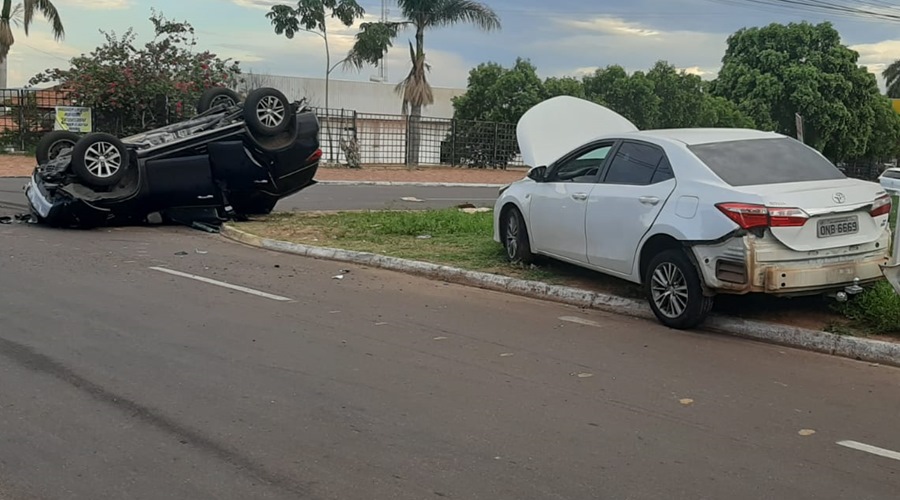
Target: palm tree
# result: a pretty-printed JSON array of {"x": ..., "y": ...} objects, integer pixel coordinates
[
  {"x": 22, "y": 14},
  {"x": 891, "y": 76},
  {"x": 374, "y": 39}
]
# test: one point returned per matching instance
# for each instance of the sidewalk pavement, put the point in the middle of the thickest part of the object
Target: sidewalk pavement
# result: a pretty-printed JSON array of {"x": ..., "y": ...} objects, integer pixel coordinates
[{"x": 21, "y": 166}]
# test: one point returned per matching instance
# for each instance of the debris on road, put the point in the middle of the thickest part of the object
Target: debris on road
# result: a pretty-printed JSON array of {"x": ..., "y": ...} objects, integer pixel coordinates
[
  {"x": 423, "y": 237},
  {"x": 338, "y": 277},
  {"x": 412, "y": 199},
  {"x": 806, "y": 432},
  {"x": 181, "y": 253},
  {"x": 686, "y": 401}
]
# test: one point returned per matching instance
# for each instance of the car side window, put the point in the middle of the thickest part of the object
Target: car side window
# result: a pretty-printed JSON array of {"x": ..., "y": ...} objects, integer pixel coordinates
[
  {"x": 583, "y": 168},
  {"x": 638, "y": 164},
  {"x": 663, "y": 171}
]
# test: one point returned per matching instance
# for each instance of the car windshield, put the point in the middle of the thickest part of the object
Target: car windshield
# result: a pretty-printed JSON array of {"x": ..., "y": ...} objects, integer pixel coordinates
[{"x": 765, "y": 161}]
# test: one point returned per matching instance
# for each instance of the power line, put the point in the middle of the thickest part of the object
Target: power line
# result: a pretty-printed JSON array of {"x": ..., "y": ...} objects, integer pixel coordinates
[{"x": 877, "y": 10}]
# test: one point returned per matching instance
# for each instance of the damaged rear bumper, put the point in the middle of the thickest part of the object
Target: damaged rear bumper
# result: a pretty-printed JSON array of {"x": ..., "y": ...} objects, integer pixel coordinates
[{"x": 750, "y": 264}]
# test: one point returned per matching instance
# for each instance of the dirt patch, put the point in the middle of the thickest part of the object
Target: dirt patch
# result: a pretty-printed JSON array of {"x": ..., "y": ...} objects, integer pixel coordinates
[{"x": 14, "y": 165}]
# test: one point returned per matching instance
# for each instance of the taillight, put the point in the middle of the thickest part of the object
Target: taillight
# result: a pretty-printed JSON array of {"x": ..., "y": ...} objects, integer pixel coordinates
[
  {"x": 745, "y": 215},
  {"x": 315, "y": 156},
  {"x": 749, "y": 216},
  {"x": 787, "y": 217},
  {"x": 881, "y": 206}
]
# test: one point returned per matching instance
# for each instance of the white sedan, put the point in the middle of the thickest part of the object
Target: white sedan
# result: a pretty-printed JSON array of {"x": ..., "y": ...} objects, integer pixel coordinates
[
  {"x": 689, "y": 213},
  {"x": 890, "y": 180}
]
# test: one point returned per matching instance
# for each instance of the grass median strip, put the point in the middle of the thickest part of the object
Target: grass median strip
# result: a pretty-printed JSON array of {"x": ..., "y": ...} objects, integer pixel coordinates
[{"x": 465, "y": 240}]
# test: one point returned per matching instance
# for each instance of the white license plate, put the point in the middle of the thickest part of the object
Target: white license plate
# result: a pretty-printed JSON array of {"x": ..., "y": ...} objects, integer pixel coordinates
[{"x": 837, "y": 227}]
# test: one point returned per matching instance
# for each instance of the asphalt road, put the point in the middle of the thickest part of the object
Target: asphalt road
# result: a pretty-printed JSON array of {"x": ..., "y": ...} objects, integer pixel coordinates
[
  {"x": 120, "y": 379},
  {"x": 333, "y": 197}
]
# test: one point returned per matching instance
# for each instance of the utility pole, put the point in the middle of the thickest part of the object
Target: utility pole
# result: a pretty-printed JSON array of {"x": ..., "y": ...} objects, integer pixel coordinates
[{"x": 382, "y": 69}]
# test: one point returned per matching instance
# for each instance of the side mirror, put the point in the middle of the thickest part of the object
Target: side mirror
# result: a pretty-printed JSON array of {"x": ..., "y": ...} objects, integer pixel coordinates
[{"x": 537, "y": 174}]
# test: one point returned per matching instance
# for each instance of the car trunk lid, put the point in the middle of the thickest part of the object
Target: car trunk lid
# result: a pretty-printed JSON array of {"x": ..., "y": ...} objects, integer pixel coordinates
[{"x": 840, "y": 212}]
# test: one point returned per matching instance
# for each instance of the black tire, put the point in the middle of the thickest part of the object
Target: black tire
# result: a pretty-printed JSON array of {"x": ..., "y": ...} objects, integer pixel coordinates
[
  {"x": 267, "y": 112},
  {"x": 52, "y": 143},
  {"x": 100, "y": 160},
  {"x": 515, "y": 237},
  {"x": 215, "y": 96},
  {"x": 672, "y": 270}
]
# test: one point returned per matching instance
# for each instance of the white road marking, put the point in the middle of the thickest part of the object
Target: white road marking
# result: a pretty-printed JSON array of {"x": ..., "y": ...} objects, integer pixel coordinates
[
  {"x": 881, "y": 452},
  {"x": 222, "y": 284},
  {"x": 580, "y": 321}
]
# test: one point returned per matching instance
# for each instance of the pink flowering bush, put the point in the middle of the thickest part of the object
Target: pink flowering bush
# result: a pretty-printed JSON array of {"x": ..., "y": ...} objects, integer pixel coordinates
[{"x": 132, "y": 88}]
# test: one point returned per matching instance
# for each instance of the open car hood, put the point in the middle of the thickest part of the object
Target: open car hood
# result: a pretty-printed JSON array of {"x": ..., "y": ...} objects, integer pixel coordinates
[{"x": 552, "y": 128}]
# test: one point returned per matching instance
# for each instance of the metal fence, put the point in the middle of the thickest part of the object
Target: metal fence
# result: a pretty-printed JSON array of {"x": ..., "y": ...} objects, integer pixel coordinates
[
  {"x": 402, "y": 140},
  {"x": 26, "y": 114}
]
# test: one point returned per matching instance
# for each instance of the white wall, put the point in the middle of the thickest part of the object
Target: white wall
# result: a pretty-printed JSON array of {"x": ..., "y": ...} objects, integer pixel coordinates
[{"x": 363, "y": 97}]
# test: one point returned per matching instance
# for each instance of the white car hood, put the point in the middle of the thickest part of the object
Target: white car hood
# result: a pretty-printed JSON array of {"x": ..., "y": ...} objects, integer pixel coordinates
[{"x": 552, "y": 128}]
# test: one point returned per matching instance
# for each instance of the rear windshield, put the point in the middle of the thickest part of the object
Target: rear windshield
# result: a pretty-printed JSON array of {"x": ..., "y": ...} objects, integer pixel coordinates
[
  {"x": 765, "y": 161},
  {"x": 891, "y": 174}
]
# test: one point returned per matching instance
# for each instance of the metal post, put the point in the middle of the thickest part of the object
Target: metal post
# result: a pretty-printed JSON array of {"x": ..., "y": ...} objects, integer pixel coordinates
[
  {"x": 453, "y": 142},
  {"x": 496, "y": 140}
]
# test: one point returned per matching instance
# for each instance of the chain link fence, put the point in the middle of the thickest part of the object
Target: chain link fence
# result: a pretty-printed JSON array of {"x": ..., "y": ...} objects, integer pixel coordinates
[
  {"x": 382, "y": 139},
  {"x": 27, "y": 114}
]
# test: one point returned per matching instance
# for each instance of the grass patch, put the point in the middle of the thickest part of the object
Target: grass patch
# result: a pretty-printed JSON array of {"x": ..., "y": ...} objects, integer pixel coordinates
[
  {"x": 877, "y": 309},
  {"x": 447, "y": 236},
  {"x": 464, "y": 240}
]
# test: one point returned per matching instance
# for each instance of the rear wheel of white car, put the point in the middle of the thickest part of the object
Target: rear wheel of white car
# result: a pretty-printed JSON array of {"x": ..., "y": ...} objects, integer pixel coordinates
[
  {"x": 99, "y": 159},
  {"x": 515, "y": 237},
  {"x": 266, "y": 111},
  {"x": 53, "y": 143},
  {"x": 215, "y": 96},
  {"x": 673, "y": 289}
]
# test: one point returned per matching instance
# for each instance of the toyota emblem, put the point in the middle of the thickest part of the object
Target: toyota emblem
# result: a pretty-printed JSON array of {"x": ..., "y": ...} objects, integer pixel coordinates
[{"x": 839, "y": 198}]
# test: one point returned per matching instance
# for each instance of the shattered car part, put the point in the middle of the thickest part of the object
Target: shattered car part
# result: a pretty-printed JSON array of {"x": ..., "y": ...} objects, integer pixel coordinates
[{"x": 233, "y": 160}]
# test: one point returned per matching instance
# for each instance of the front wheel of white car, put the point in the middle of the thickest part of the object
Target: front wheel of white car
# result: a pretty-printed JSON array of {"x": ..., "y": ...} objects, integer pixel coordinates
[
  {"x": 672, "y": 285},
  {"x": 515, "y": 237}
]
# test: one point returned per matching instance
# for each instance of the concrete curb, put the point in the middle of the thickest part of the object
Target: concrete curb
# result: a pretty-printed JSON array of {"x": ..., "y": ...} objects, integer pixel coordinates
[
  {"x": 874, "y": 351},
  {"x": 403, "y": 183}
]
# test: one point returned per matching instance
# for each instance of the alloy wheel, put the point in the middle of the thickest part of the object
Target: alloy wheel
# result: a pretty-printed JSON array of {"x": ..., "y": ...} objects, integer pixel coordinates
[
  {"x": 102, "y": 159},
  {"x": 512, "y": 235},
  {"x": 270, "y": 111},
  {"x": 669, "y": 290},
  {"x": 56, "y": 148}
]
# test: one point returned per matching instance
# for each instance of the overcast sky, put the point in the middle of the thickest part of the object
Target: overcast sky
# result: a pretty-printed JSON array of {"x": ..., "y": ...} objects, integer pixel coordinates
[{"x": 563, "y": 37}]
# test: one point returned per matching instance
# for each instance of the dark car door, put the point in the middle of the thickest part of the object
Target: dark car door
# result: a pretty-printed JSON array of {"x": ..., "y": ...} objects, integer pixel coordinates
[{"x": 182, "y": 182}]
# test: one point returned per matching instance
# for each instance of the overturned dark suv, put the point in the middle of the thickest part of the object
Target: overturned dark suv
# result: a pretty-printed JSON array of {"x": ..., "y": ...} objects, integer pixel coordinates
[{"x": 233, "y": 159}]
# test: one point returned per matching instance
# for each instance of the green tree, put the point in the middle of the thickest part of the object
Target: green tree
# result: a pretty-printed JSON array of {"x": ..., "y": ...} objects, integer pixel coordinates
[
  {"x": 891, "y": 76},
  {"x": 499, "y": 94},
  {"x": 485, "y": 116},
  {"x": 567, "y": 85},
  {"x": 131, "y": 89},
  {"x": 311, "y": 16},
  {"x": 374, "y": 40},
  {"x": 779, "y": 70},
  {"x": 632, "y": 96}
]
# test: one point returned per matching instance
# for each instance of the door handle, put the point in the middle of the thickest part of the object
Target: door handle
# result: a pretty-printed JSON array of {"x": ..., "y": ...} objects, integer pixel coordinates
[
  {"x": 649, "y": 200},
  {"x": 579, "y": 196}
]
